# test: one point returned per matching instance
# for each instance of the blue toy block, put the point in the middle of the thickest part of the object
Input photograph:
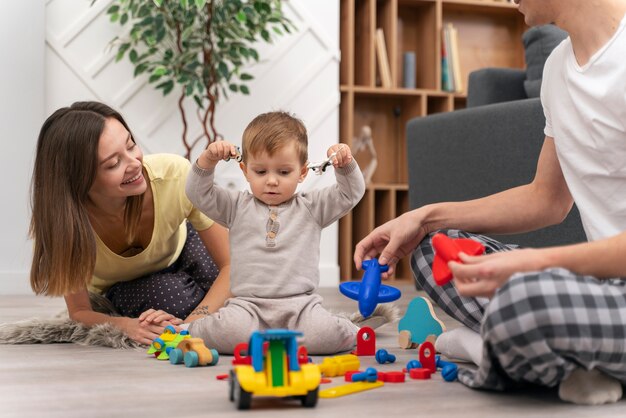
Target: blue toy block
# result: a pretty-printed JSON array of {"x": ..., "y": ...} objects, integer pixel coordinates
[{"x": 370, "y": 375}]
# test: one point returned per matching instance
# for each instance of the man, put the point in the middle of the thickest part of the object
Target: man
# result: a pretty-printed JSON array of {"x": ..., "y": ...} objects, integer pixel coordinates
[{"x": 555, "y": 316}]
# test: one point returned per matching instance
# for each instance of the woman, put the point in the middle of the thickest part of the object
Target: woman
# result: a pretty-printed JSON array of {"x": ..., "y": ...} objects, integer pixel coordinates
[{"x": 107, "y": 221}]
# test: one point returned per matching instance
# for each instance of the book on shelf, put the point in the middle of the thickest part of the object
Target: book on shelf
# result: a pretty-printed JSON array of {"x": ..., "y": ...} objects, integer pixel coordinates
[
  {"x": 383, "y": 60},
  {"x": 451, "y": 78},
  {"x": 447, "y": 82},
  {"x": 456, "y": 61}
]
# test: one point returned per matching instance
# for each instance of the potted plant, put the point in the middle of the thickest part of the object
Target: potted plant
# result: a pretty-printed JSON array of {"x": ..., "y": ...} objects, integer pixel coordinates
[{"x": 196, "y": 48}]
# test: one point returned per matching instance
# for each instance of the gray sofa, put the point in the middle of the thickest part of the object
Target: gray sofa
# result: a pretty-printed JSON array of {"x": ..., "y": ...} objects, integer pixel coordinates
[
  {"x": 478, "y": 151},
  {"x": 492, "y": 145}
]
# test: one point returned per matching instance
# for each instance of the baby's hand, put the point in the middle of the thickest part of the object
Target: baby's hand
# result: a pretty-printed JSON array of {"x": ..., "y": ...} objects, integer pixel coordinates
[
  {"x": 343, "y": 155},
  {"x": 216, "y": 151}
]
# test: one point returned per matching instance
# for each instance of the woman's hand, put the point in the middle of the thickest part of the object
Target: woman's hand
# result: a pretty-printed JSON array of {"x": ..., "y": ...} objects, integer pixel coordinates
[
  {"x": 143, "y": 333},
  {"x": 159, "y": 317},
  {"x": 482, "y": 275}
]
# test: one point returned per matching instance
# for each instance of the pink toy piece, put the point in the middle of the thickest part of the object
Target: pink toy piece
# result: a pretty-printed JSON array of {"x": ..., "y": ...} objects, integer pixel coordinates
[{"x": 448, "y": 249}]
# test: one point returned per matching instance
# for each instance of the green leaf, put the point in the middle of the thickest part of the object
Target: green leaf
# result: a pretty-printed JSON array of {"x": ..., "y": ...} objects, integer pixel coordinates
[
  {"x": 121, "y": 51},
  {"x": 222, "y": 68},
  {"x": 244, "y": 89},
  {"x": 233, "y": 87},
  {"x": 115, "y": 17},
  {"x": 159, "y": 71},
  {"x": 133, "y": 56},
  {"x": 266, "y": 36},
  {"x": 241, "y": 16},
  {"x": 141, "y": 68},
  {"x": 200, "y": 4},
  {"x": 153, "y": 78},
  {"x": 113, "y": 9},
  {"x": 198, "y": 101},
  {"x": 124, "y": 19},
  {"x": 167, "y": 87},
  {"x": 184, "y": 4},
  {"x": 158, "y": 3},
  {"x": 245, "y": 77}
]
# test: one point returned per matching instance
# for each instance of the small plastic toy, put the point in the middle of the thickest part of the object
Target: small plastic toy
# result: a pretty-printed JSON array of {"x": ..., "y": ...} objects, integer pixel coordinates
[
  {"x": 418, "y": 323},
  {"x": 449, "y": 371},
  {"x": 275, "y": 373},
  {"x": 320, "y": 167},
  {"x": 193, "y": 353},
  {"x": 365, "y": 342},
  {"x": 349, "y": 388},
  {"x": 369, "y": 292},
  {"x": 164, "y": 343},
  {"x": 392, "y": 377},
  {"x": 413, "y": 364},
  {"x": 427, "y": 356},
  {"x": 238, "y": 157},
  {"x": 339, "y": 365},
  {"x": 382, "y": 357},
  {"x": 369, "y": 375},
  {"x": 419, "y": 373},
  {"x": 448, "y": 249}
]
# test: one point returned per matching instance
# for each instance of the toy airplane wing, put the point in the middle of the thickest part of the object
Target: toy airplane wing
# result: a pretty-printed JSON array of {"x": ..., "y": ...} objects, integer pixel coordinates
[{"x": 448, "y": 249}]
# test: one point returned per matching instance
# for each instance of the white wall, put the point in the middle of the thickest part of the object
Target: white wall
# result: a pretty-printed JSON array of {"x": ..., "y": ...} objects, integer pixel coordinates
[
  {"x": 298, "y": 73},
  {"x": 21, "y": 114}
]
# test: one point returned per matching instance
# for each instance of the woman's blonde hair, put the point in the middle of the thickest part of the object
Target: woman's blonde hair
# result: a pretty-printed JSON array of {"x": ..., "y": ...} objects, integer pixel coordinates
[
  {"x": 66, "y": 162},
  {"x": 271, "y": 131}
]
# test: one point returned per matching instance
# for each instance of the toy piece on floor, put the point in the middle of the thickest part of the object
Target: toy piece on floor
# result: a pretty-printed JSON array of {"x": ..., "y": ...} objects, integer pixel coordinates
[
  {"x": 369, "y": 375},
  {"x": 277, "y": 373},
  {"x": 449, "y": 370},
  {"x": 448, "y": 249},
  {"x": 392, "y": 377},
  {"x": 339, "y": 365},
  {"x": 419, "y": 323},
  {"x": 427, "y": 356},
  {"x": 369, "y": 292},
  {"x": 382, "y": 357},
  {"x": 193, "y": 353},
  {"x": 240, "y": 354},
  {"x": 349, "y": 388},
  {"x": 167, "y": 341},
  {"x": 365, "y": 342},
  {"x": 419, "y": 373}
]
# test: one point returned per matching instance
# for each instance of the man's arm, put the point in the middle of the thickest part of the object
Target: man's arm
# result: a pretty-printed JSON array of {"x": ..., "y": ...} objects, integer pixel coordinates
[
  {"x": 543, "y": 202},
  {"x": 215, "y": 240}
]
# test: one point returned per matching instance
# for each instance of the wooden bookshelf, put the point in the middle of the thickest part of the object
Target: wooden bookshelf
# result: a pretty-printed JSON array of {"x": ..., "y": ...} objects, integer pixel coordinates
[{"x": 490, "y": 33}]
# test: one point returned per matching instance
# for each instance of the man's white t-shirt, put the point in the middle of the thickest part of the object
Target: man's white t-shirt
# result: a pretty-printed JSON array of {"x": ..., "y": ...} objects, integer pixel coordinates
[{"x": 585, "y": 109}]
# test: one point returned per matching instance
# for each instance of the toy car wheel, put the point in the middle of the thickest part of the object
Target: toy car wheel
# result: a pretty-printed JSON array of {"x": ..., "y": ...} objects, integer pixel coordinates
[
  {"x": 170, "y": 329},
  {"x": 176, "y": 356},
  {"x": 158, "y": 344},
  {"x": 310, "y": 399},
  {"x": 191, "y": 359},
  {"x": 215, "y": 355},
  {"x": 231, "y": 386},
  {"x": 241, "y": 397}
]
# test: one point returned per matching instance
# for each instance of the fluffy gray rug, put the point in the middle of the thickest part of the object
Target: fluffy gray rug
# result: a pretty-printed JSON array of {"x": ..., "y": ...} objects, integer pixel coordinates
[{"x": 61, "y": 329}]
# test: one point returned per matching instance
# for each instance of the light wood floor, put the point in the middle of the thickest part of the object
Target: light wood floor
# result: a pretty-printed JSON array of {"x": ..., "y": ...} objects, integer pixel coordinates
[{"x": 66, "y": 380}]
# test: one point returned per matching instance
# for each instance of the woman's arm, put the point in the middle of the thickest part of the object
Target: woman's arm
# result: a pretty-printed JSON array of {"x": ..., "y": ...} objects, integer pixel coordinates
[
  {"x": 215, "y": 240},
  {"x": 143, "y": 331}
]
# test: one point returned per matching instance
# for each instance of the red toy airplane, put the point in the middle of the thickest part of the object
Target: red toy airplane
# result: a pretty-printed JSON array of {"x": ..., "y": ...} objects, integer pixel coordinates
[{"x": 448, "y": 249}]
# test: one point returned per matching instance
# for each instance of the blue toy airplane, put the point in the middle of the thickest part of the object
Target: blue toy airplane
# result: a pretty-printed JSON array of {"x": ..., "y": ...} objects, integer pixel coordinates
[{"x": 369, "y": 292}]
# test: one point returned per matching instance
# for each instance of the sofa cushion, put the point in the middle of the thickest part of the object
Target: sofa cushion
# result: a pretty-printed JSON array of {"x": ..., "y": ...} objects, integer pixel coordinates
[{"x": 539, "y": 41}]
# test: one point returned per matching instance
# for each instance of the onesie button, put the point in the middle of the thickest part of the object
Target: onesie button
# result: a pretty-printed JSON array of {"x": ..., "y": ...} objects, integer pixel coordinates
[{"x": 271, "y": 234}]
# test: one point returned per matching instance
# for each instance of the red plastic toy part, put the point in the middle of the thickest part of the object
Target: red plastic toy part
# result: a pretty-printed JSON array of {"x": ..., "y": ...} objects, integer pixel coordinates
[{"x": 448, "y": 249}]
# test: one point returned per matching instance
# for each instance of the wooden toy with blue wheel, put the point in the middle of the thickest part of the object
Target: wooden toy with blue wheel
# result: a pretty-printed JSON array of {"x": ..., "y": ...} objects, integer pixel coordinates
[{"x": 369, "y": 292}]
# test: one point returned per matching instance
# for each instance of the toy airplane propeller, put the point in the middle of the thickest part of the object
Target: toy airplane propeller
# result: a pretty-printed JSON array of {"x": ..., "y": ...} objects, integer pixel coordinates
[
  {"x": 369, "y": 292},
  {"x": 448, "y": 249}
]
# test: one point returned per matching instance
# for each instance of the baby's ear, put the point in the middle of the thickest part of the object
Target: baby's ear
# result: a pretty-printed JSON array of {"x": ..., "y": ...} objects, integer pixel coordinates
[
  {"x": 244, "y": 170},
  {"x": 303, "y": 172}
]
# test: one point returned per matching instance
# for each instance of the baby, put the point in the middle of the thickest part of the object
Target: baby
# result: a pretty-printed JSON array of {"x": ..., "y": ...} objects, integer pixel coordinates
[{"x": 275, "y": 235}]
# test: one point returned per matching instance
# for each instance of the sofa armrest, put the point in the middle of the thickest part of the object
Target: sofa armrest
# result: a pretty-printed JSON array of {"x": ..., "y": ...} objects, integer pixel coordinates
[
  {"x": 495, "y": 85},
  {"x": 471, "y": 153}
]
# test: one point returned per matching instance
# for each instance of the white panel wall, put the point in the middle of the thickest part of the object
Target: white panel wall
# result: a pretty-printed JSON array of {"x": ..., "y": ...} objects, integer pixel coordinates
[
  {"x": 21, "y": 114},
  {"x": 298, "y": 73}
]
